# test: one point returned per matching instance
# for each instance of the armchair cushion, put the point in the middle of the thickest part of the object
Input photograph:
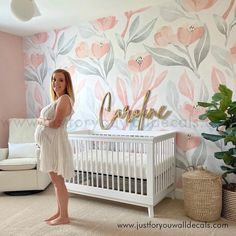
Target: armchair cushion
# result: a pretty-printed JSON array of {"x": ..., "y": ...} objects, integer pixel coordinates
[
  {"x": 18, "y": 164},
  {"x": 22, "y": 150}
]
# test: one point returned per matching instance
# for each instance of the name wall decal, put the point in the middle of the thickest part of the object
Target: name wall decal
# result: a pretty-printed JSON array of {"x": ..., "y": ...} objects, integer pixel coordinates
[{"x": 130, "y": 115}]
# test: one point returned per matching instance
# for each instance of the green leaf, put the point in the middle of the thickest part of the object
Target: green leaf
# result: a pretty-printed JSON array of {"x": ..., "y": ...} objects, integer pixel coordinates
[
  {"x": 220, "y": 24},
  {"x": 171, "y": 13},
  {"x": 227, "y": 169},
  {"x": 204, "y": 104},
  {"x": 219, "y": 155},
  {"x": 166, "y": 57},
  {"x": 224, "y": 97},
  {"x": 212, "y": 137},
  {"x": 143, "y": 33},
  {"x": 228, "y": 139},
  {"x": 231, "y": 131},
  {"x": 43, "y": 69},
  {"x": 232, "y": 109},
  {"x": 109, "y": 61},
  {"x": 202, "y": 48},
  {"x": 217, "y": 97},
  {"x": 120, "y": 41},
  {"x": 30, "y": 75},
  {"x": 134, "y": 27},
  {"x": 232, "y": 151},
  {"x": 86, "y": 30},
  {"x": 215, "y": 124},
  {"x": 228, "y": 159},
  {"x": 216, "y": 115},
  {"x": 61, "y": 41},
  {"x": 67, "y": 46},
  {"x": 86, "y": 68},
  {"x": 225, "y": 91},
  {"x": 224, "y": 103},
  {"x": 203, "y": 116}
]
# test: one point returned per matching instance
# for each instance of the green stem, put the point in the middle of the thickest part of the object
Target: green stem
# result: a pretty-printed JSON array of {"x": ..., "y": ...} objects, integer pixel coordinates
[
  {"x": 103, "y": 74},
  {"x": 125, "y": 50},
  {"x": 225, "y": 180}
]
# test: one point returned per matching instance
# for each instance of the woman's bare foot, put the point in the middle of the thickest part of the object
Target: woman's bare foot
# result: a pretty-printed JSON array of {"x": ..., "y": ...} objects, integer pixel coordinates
[
  {"x": 59, "y": 221},
  {"x": 53, "y": 217}
]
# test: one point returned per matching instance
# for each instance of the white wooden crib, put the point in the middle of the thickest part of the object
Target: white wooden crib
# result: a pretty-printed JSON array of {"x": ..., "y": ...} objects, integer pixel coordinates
[{"x": 126, "y": 166}]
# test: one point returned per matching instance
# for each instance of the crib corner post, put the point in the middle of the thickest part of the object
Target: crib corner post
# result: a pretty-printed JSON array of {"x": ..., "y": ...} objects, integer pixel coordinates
[
  {"x": 151, "y": 211},
  {"x": 150, "y": 172}
]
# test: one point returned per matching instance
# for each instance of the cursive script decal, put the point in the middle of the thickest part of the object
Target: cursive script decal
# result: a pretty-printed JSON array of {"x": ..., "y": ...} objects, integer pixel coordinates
[{"x": 129, "y": 115}]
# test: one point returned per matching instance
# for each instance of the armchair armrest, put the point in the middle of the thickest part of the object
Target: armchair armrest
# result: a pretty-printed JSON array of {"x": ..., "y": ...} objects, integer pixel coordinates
[
  {"x": 38, "y": 154},
  {"x": 3, "y": 153}
]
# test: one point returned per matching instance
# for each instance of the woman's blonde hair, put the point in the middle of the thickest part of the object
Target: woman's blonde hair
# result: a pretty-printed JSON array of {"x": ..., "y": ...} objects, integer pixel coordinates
[{"x": 69, "y": 86}]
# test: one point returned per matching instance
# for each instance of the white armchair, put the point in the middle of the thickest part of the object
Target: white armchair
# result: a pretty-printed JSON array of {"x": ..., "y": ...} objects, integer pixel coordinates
[{"x": 19, "y": 163}]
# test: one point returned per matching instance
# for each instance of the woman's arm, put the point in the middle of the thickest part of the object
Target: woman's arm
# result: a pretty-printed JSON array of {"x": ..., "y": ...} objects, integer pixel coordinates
[{"x": 63, "y": 109}]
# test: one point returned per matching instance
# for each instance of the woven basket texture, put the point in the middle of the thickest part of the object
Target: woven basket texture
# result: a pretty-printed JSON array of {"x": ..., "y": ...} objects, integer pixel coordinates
[
  {"x": 229, "y": 206},
  {"x": 202, "y": 195}
]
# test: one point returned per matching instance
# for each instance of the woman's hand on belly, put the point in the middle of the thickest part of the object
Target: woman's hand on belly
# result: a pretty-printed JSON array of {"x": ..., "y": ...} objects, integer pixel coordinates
[{"x": 42, "y": 121}]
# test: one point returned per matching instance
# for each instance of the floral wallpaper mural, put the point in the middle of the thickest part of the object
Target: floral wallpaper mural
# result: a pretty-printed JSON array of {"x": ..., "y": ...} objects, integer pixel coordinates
[{"x": 181, "y": 50}]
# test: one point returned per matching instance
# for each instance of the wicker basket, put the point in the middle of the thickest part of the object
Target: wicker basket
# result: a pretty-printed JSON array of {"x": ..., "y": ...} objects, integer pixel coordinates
[
  {"x": 229, "y": 204},
  {"x": 202, "y": 195}
]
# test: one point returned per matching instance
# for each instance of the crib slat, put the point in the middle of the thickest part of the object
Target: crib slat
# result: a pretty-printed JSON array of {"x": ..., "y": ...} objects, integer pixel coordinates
[
  {"x": 123, "y": 166},
  {"x": 135, "y": 168},
  {"x": 165, "y": 162},
  {"x": 102, "y": 151},
  {"x": 112, "y": 165},
  {"x": 76, "y": 143},
  {"x": 107, "y": 164},
  {"x": 169, "y": 163},
  {"x": 82, "y": 161},
  {"x": 162, "y": 161},
  {"x": 86, "y": 163},
  {"x": 118, "y": 165},
  {"x": 150, "y": 168},
  {"x": 91, "y": 161},
  {"x": 96, "y": 164},
  {"x": 129, "y": 172},
  {"x": 155, "y": 168},
  {"x": 141, "y": 168}
]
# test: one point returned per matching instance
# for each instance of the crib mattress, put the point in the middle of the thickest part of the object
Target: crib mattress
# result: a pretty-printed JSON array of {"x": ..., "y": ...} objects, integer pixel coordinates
[{"x": 127, "y": 164}]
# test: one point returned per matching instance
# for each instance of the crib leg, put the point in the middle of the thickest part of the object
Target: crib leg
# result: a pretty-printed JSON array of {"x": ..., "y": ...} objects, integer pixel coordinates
[{"x": 151, "y": 211}]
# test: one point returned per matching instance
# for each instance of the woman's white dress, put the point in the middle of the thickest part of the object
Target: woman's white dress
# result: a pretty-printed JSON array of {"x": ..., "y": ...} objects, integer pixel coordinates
[{"x": 55, "y": 149}]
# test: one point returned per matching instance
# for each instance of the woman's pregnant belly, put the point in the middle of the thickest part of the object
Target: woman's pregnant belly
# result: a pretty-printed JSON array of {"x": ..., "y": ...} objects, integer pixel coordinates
[{"x": 44, "y": 134}]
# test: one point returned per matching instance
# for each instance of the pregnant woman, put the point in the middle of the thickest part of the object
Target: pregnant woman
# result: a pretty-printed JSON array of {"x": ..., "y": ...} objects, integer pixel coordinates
[{"x": 51, "y": 136}]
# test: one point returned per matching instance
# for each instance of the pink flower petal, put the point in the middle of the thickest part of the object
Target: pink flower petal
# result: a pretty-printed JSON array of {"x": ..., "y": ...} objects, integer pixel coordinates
[
  {"x": 121, "y": 90},
  {"x": 217, "y": 78},
  {"x": 186, "y": 87}
]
